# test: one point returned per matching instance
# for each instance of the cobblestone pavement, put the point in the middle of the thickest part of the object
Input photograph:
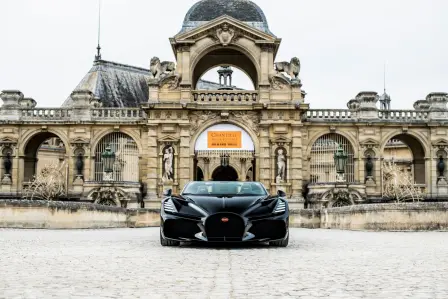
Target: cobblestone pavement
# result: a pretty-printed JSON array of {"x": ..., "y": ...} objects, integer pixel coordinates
[{"x": 130, "y": 263}]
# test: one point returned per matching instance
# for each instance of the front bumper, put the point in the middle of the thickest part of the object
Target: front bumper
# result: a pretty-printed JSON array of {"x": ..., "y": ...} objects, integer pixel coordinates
[{"x": 212, "y": 229}]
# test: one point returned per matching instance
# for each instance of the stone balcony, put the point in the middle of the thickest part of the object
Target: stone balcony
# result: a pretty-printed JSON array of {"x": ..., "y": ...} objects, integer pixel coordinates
[{"x": 224, "y": 96}]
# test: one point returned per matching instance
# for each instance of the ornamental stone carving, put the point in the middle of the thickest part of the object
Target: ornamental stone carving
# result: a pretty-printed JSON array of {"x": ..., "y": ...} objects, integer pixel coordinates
[
  {"x": 197, "y": 118},
  {"x": 225, "y": 34},
  {"x": 110, "y": 196},
  {"x": 158, "y": 70},
  {"x": 291, "y": 68},
  {"x": 250, "y": 118},
  {"x": 170, "y": 82},
  {"x": 279, "y": 82}
]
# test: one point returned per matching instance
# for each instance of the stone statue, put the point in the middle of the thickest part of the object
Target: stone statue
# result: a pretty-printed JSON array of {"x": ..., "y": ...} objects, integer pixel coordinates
[
  {"x": 290, "y": 68},
  {"x": 79, "y": 165},
  {"x": 159, "y": 69},
  {"x": 281, "y": 167},
  {"x": 7, "y": 164},
  {"x": 168, "y": 157},
  {"x": 441, "y": 167}
]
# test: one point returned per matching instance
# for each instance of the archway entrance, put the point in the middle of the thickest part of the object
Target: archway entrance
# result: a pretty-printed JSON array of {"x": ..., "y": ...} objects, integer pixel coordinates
[
  {"x": 43, "y": 150},
  {"x": 225, "y": 174},
  {"x": 406, "y": 153},
  {"x": 224, "y": 152}
]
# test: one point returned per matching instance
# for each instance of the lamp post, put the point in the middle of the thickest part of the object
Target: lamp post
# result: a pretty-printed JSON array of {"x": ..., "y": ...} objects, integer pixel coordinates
[
  {"x": 108, "y": 159},
  {"x": 340, "y": 161}
]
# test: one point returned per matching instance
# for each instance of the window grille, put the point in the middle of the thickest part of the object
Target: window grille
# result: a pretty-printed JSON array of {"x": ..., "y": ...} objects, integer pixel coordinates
[
  {"x": 126, "y": 162},
  {"x": 322, "y": 167}
]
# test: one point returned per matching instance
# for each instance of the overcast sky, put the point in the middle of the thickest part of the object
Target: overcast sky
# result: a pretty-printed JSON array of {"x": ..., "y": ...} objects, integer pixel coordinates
[{"x": 47, "y": 46}]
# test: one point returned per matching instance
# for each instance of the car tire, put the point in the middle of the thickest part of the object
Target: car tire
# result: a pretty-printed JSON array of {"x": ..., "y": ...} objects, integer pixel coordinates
[
  {"x": 166, "y": 242},
  {"x": 281, "y": 243}
]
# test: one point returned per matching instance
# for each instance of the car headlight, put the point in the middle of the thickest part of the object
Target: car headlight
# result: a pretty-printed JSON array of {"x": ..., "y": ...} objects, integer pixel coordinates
[
  {"x": 168, "y": 206},
  {"x": 281, "y": 207}
]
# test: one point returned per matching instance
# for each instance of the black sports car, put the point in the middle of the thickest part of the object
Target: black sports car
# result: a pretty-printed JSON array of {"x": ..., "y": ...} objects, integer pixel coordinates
[{"x": 224, "y": 212}]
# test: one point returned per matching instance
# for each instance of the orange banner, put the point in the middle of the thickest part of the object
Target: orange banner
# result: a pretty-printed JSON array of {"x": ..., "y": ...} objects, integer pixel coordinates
[{"x": 224, "y": 139}]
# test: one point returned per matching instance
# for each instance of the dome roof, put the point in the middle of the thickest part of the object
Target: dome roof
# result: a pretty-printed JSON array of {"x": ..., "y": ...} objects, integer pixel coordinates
[{"x": 243, "y": 10}]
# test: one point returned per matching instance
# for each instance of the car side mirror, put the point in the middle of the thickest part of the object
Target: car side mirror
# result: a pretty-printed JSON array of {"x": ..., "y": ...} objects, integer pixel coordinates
[
  {"x": 167, "y": 192},
  {"x": 281, "y": 193}
]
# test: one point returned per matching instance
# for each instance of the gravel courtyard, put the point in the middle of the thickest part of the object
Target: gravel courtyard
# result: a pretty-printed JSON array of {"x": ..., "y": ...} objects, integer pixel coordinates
[{"x": 130, "y": 263}]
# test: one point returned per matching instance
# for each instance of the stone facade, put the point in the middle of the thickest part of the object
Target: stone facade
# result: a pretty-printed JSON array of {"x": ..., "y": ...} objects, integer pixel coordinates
[{"x": 284, "y": 136}]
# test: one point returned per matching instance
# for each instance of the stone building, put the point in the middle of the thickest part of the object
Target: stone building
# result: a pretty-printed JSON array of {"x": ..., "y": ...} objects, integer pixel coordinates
[{"x": 167, "y": 127}]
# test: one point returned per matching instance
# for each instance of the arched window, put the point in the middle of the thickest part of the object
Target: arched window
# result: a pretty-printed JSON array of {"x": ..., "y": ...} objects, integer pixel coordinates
[
  {"x": 125, "y": 167},
  {"x": 322, "y": 166}
]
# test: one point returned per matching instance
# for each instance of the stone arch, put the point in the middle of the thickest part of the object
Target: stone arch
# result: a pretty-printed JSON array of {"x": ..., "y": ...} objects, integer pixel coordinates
[
  {"x": 28, "y": 137},
  {"x": 30, "y": 146},
  {"x": 418, "y": 149},
  {"x": 126, "y": 166},
  {"x": 234, "y": 174},
  {"x": 105, "y": 132},
  {"x": 210, "y": 123},
  {"x": 215, "y": 55},
  {"x": 321, "y": 161},
  {"x": 354, "y": 143},
  {"x": 414, "y": 135}
]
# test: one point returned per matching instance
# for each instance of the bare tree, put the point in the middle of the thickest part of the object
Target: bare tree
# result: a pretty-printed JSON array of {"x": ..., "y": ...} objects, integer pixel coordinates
[
  {"x": 399, "y": 183},
  {"x": 49, "y": 184}
]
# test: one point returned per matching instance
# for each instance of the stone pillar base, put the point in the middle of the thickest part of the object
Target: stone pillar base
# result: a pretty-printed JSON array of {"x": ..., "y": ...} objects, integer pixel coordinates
[
  {"x": 296, "y": 202},
  {"x": 442, "y": 187}
]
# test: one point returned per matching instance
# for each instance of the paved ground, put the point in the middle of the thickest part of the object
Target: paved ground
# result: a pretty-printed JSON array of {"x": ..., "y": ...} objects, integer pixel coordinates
[{"x": 130, "y": 263}]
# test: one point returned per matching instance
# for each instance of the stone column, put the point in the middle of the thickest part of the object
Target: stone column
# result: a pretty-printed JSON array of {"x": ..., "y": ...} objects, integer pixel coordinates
[
  {"x": 151, "y": 200},
  {"x": 263, "y": 163},
  {"x": 184, "y": 156},
  {"x": 296, "y": 167}
]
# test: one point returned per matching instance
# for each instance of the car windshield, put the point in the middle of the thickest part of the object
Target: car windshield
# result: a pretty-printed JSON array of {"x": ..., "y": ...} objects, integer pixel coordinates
[{"x": 227, "y": 189}]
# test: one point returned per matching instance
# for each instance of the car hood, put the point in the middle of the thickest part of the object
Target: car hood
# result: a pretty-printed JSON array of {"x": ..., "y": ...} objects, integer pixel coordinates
[{"x": 237, "y": 204}]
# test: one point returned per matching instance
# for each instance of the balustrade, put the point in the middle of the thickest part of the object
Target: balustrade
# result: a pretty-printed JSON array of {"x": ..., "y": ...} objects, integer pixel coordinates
[
  {"x": 222, "y": 96},
  {"x": 46, "y": 114},
  {"x": 325, "y": 114},
  {"x": 117, "y": 114},
  {"x": 403, "y": 115}
]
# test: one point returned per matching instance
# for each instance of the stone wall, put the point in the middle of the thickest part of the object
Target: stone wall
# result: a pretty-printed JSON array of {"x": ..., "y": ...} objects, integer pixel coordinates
[
  {"x": 403, "y": 217},
  {"x": 377, "y": 217},
  {"x": 64, "y": 215}
]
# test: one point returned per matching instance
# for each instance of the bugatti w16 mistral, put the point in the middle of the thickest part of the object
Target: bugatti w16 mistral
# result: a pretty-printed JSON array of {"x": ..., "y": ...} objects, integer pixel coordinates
[{"x": 224, "y": 212}]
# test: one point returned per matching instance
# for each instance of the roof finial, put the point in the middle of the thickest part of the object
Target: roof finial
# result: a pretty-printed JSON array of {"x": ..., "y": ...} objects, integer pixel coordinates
[
  {"x": 98, "y": 48},
  {"x": 384, "y": 75}
]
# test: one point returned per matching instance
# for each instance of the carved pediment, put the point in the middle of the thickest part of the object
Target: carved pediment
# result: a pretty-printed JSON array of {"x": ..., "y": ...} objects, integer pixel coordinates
[
  {"x": 281, "y": 140},
  {"x": 8, "y": 140},
  {"x": 79, "y": 141},
  {"x": 168, "y": 139},
  {"x": 440, "y": 143},
  {"x": 226, "y": 29},
  {"x": 369, "y": 143}
]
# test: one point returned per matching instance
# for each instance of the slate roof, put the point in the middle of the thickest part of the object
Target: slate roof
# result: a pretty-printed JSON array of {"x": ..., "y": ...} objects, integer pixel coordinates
[
  {"x": 243, "y": 10},
  {"x": 117, "y": 85},
  {"x": 121, "y": 85}
]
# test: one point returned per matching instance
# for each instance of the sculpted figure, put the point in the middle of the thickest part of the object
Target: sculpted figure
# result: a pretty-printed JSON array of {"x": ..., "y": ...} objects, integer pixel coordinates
[
  {"x": 159, "y": 69},
  {"x": 290, "y": 68},
  {"x": 281, "y": 166},
  {"x": 168, "y": 157}
]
